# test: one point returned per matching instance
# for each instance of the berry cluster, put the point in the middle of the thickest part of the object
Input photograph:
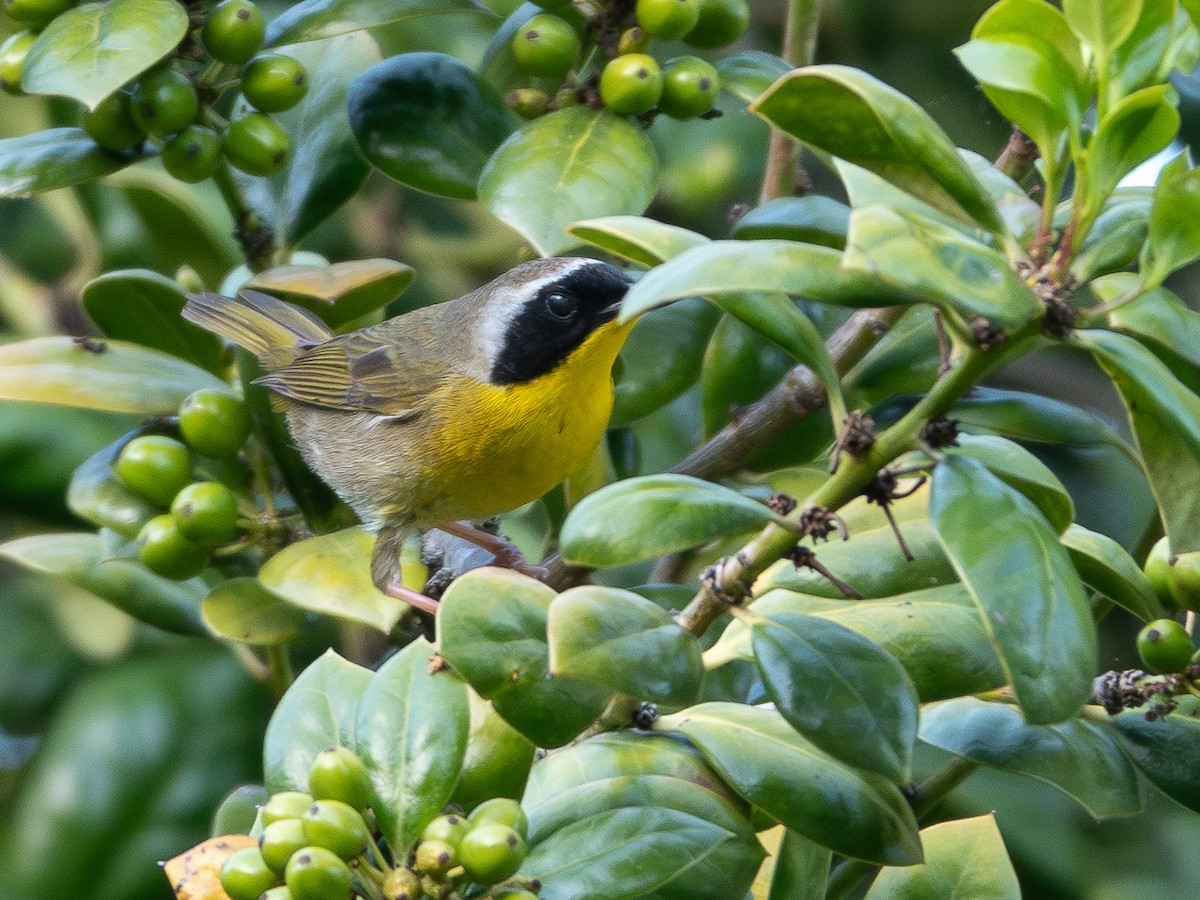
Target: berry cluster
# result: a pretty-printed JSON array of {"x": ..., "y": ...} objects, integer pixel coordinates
[
  {"x": 322, "y": 846},
  {"x": 159, "y": 469},
  {"x": 173, "y": 104},
  {"x": 631, "y": 82}
]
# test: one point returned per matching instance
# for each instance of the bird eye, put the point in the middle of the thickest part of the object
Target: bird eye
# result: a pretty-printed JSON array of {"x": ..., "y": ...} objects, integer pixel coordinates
[{"x": 561, "y": 306}]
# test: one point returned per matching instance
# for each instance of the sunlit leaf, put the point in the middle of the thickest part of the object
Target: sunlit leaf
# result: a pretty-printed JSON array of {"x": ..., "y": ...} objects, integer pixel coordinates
[
  {"x": 963, "y": 858},
  {"x": 54, "y": 158},
  {"x": 311, "y": 20}
]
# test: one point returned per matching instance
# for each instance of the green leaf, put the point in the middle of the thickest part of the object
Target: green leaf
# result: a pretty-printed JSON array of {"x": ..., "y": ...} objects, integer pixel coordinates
[
  {"x": 312, "y": 20},
  {"x": 93, "y": 50},
  {"x": 1165, "y": 417},
  {"x": 412, "y": 736},
  {"x": 1020, "y": 213},
  {"x": 922, "y": 257},
  {"x": 142, "y": 307},
  {"x": 241, "y": 609},
  {"x": 1173, "y": 240},
  {"x": 1032, "y": 418},
  {"x": 591, "y": 162},
  {"x": 1116, "y": 237},
  {"x": 338, "y": 293},
  {"x": 491, "y": 627},
  {"x": 83, "y": 560},
  {"x": 97, "y": 495},
  {"x": 331, "y": 574},
  {"x": 855, "y": 117},
  {"x": 748, "y": 74},
  {"x": 963, "y": 858},
  {"x": 738, "y": 267},
  {"x": 1104, "y": 24},
  {"x": 841, "y": 691},
  {"x": 428, "y": 121},
  {"x": 1160, "y": 320},
  {"x": 1106, "y": 567},
  {"x": 1020, "y": 576},
  {"x": 1035, "y": 19},
  {"x": 108, "y": 375},
  {"x": 857, "y": 814},
  {"x": 624, "y": 642},
  {"x": 1080, "y": 757},
  {"x": 814, "y": 219},
  {"x": 1020, "y": 469},
  {"x": 54, "y": 158},
  {"x": 641, "y": 518},
  {"x": 801, "y": 869},
  {"x": 1139, "y": 60},
  {"x": 636, "y": 238},
  {"x": 318, "y": 711},
  {"x": 1129, "y": 134},
  {"x": 326, "y": 168},
  {"x": 1166, "y": 750}
]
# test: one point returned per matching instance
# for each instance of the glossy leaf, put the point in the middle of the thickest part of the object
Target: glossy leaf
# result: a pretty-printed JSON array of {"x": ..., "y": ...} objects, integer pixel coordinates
[
  {"x": 854, "y": 813},
  {"x": 1166, "y": 750},
  {"x": 331, "y": 574},
  {"x": 855, "y": 117},
  {"x": 636, "y": 238},
  {"x": 497, "y": 760},
  {"x": 1019, "y": 212},
  {"x": 1020, "y": 469},
  {"x": 748, "y": 74},
  {"x": 919, "y": 256},
  {"x": 841, "y": 691},
  {"x": 1035, "y": 19},
  {"x": 428, "y": 121},
  {"x": 1166, "y": 422},
  {"x": 491, "y": 627},
  {"x": 801, "y": 869},
  {"x": 83, "y": 560},
  {"x": 814, "y": 219},
  {"x": 1116, "y": 237},
  {"x": 1129, "y": 134},
  {"x": 55, "y": 158},
  {"x": 312, "y": 20},
  {"x": 1080, "y": 757},
  {"x": 1103, "y": 24},
  {"x": 412, "y": 735},
  {"x": 96, "y": 495},
  {"x": 1160, "y": 320},
  {"x": 241, "y": 609},
  {"x": 1172, "y": 241},
  {"x": 593, "y": 164},
  {"x": 326, "y": 168},
  {"x": 624, "y": 642},
  {"x": 1032, "y": 418},
  {"x": 318, "y": 711},
  {"x": 92, "y": 50},
  {"x": 963, "y": 858},
  {"x": 1020, "y": 576},
  {"x": 1139, "y": 60},
  {"x": 109, "y": 375},
  {"x": 1106, "y": 567},
  {"x": 338, "y": 293},
  {"x": 641, "y": 518},
  {"x": 734, "y": 267},
  {"x": 142, "y": 307}
]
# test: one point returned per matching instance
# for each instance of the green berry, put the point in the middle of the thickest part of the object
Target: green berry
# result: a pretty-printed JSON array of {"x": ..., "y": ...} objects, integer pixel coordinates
[
  {"x": 690, "y": 87},
  {"x": 274, "y": 82},
  {"x": 338, "y": 774},
  {"x": 277, "y": 893},
  {"x": 279, "y": 841},
  {"x": 111, "y": 123},
  {"x": 165, "y": 102},
  {"x": 1165, "y": 646},
  {"x": 434, "y": 858},
  {"x": 336, "y": 826},
  {"x": 12, "y": 60},
  {"x": 214, "y": 423},
  {"x": 517, "y": 895},
  {"x": 546, "y": 45},
  {"x": 154, "y": 467},
  {"x": 631, "y": 84},
  {"x": 206, "y": 512},
  {"x": 285, "y": 805},
  {"x": 668, "y": 19},
  {"x": 721, "y": 23},
  {"x": 234, "y": 31},
  {"x": 245, "y": 875},
  {"x": 193, "y": 154},
  {"x": 164, "y": 550},
  {"x": 500, "y": 811},
  {"x": 402, "y": 884},
  {"x": 257, "y": 145},
  {"x": 239, "y": 810},
  {"x": 491, "y": 852},
  {"x": 313, "y": 873},
  {"x": 449, "y": 829},
  {"x": 36, "y": 14}
]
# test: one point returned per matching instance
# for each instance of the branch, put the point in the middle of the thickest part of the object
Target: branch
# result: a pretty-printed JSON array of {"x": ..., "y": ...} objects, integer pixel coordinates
[{"x": 799, "y": 49}]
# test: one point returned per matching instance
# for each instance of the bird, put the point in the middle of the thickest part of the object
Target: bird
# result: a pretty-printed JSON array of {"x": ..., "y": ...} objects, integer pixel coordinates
[{"x": 448, "y": 414}]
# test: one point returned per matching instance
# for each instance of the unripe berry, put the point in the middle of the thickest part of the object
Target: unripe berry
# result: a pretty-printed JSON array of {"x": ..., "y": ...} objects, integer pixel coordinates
[
  {"x": 546, "y": 45},
  {"x": 690, "y": 87},
  {"x": 234, "y": 31},
  {"x": 668, "y": 19},
  {"x": 631, "y": 84}
]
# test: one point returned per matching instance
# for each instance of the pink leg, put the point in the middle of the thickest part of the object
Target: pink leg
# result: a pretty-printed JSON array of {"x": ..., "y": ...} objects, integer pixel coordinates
[
  {"x": 506, "y": 552},
  {"x": 412, "y": 598}
]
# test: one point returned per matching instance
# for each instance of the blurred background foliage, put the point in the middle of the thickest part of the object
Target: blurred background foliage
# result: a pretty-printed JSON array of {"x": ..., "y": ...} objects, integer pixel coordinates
[{"x": 181, "y": 723}]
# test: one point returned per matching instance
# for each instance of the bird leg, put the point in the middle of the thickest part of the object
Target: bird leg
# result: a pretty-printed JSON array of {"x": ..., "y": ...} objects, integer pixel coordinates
[
  {"x": 506, "y": 552},
  {"x": 385, "y": 570}
]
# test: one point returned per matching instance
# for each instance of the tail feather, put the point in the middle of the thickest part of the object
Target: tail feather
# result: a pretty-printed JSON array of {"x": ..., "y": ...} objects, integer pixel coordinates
[{"x": 272, "y": 330}]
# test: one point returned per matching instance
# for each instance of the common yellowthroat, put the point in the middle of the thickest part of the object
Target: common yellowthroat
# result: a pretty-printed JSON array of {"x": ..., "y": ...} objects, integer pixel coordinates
[{"x": 457, "y": 411}]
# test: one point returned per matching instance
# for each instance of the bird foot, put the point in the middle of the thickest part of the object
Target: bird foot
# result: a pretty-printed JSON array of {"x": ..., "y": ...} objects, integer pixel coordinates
[{"x": 508, "y": 556}]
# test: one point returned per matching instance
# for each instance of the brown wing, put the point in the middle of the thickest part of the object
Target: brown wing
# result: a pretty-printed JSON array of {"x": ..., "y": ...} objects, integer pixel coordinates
[{"x": 387, "y": 369}]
